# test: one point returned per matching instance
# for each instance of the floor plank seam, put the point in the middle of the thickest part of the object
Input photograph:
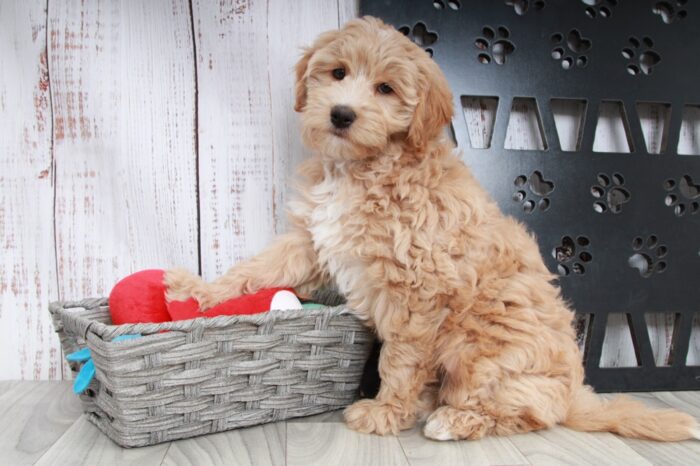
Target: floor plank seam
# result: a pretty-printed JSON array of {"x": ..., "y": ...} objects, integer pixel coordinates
[
  {"x": 165, "y": 453},
  {"x": 405, "y": 455}
]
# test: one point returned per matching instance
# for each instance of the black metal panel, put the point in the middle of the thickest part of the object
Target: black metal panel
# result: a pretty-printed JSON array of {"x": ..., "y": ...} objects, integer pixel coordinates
[{"x": 626, "y": 51}]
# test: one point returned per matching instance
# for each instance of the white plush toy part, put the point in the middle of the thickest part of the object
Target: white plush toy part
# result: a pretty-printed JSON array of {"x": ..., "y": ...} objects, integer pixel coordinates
[{"x": 285, "y": 300}]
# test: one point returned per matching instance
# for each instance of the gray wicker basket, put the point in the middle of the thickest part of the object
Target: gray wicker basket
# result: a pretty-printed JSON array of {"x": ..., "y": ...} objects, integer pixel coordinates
[{"x": 187, "y": 378}]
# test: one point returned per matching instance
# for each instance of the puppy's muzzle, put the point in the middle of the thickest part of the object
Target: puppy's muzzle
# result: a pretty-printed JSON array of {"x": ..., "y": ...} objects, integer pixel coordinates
[{"x": 342, "y": 116}]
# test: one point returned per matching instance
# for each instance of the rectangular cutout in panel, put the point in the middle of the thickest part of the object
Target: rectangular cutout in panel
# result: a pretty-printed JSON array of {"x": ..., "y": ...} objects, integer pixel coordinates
[
  {"x": 584, "y": 335},
  {"x": 450, "y": 133},
  {"x": 612, "y": 131},
  {"x": 689, "y": 139},
  {"x": 525, "y": 126},
  {"x": 693, "y": 358},
  {"x": 654, "y": 118},
  {"x": 618, "y": 344},
  {"x": 582, "y": 324},
  {"x": 480, "y": 116},
  {"x": 568, "y": 116},
  {"x": 660, "y": 329}
]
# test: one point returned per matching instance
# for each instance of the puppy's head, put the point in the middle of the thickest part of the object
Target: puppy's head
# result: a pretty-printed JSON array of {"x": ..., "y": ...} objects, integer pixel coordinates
[{"x": 365, "y": 86}]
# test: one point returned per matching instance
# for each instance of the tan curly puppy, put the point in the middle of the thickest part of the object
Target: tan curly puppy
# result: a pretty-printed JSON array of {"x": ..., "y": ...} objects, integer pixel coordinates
[{"x": 475, "y": 334}]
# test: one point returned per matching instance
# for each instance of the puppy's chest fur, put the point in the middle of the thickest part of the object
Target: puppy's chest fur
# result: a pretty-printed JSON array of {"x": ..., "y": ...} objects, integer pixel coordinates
[
  {"x": 374, "y": 233},
  {"x": 334, "y": 233}
]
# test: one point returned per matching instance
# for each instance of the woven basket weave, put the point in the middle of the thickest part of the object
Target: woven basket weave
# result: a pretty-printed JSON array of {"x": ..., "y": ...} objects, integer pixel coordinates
[{"x": 195, "y": 377}]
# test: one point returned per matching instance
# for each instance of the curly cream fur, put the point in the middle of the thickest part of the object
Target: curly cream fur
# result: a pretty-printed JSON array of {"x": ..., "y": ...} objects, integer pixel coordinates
[{"x": 475, "y": 332}]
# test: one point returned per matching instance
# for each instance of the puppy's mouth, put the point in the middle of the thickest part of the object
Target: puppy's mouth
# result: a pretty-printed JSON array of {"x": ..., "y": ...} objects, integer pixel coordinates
[{"x": 340, "y": 132}]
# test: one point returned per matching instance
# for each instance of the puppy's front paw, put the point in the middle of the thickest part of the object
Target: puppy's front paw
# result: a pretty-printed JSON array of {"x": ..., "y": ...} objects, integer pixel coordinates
[
  {"x": 375, "y": 417},
  {"x": 205, "y": 297},
  {"x": 180, "y": 284}
]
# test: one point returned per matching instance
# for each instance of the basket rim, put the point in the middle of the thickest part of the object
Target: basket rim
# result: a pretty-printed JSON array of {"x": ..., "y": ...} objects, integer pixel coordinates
[{"x": 109, "y": 331}]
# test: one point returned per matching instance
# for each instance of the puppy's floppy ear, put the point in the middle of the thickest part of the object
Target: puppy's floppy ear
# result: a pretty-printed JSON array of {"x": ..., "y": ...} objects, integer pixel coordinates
[
  {"x": 302, "y": 66},
  {"x": 434, "y": 109},
  {"x": 300, "y": 84}
]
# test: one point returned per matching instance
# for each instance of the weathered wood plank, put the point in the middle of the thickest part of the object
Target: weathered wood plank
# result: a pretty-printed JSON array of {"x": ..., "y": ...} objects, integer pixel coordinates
[
  {"x": 291, "y": 25},
  {"x": 259, "y": 445},
  {"x": 693, "y": 357},
  {"x": 28, "y": 344},
  {"x": 523, "y": 130},
  {"x": 480, "y": 117},
  {"x": 6, "y": 385},
  {"x": 568, "y": 115},
  {"x": 347, "y": 10},
  {"x": 668, "y": 453},
  {"x": 686, "y": 401},
  {"x": 660, "y": 328},
  {"x": 333, "y": 443},
  {"x": 564, "y": 446},
  {"x": 33, "y": 415},
  {"x": 689, "y": 140},
  {"x": 654, "y": 119},
  {"x": 85, "y": 444},
  {"x": 611, "y": 129},
  {"x": 123, "y": 97},
  {"x": 618, "y": 348},
  {"x": 235, "y": 131},
  {"x": 329, "y": 416},
  {"x": 489, "y": 451},
  {"x": 38, "y": 421}
]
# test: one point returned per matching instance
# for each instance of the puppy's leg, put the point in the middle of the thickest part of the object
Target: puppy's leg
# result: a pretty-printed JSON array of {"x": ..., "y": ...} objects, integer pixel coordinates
[
  {"x": 404, "y": 367},
  {"x": 428, "y": 401},
  {"x": 522, "y": 404},
  {"x": 509, "y": 405},
  {"x": 180, "y": 284},
  {"x": 289, "y": 261}
]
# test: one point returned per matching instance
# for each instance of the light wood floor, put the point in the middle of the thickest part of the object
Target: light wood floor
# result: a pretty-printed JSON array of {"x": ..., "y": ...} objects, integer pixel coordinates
[{"x": 41, "y": 423}]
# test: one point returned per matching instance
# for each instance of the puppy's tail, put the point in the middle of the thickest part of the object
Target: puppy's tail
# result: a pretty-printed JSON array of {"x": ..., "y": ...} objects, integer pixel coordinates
[{"x": 628, "y": 418}]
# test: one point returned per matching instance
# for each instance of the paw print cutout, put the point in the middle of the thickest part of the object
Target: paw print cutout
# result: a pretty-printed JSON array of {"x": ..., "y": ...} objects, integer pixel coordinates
[
  {"x": 494, "y": 44},
  {"x": 648, "y": 256},
  {"x": 521, "y": 7},
  {"x": 572, "y": 255},
  {"x": 671, "y": 11},
  {"x": 539, "y": 188},
  {"x": 642, "y": 58},
  {"x": 420, "y": 35},
  {"x": 599, "y": 8},
  {"x": 610, "y": 193},
  {"x": 572, "y": 51},
  {"x": 683, "y": 196},
  {"x": 453, "y": 4}
]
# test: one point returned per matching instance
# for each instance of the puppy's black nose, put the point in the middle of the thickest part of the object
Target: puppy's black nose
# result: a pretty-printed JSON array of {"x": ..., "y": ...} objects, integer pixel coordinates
[{"x": 342, "y": 116}]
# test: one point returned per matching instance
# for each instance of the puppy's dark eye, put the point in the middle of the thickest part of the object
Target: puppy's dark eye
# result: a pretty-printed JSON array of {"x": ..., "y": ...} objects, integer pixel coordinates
[
  {"x": 384, "y": 88},
  {"x": 338, "y": 73}
]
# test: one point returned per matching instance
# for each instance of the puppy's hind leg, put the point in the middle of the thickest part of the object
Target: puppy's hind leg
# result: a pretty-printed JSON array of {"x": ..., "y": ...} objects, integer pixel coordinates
[
  {"x": 520, "y": 404},
  {"x": 448, "y": 423}
]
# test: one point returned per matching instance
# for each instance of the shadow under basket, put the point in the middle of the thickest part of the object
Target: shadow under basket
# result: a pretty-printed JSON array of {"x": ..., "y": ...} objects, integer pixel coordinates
[{"x": 187, "y": 378}]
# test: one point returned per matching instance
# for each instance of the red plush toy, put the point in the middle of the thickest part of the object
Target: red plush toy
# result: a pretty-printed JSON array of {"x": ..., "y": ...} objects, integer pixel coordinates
[
  {"x": 140, "y": 298},
  {"x": 261, "y": 301}
]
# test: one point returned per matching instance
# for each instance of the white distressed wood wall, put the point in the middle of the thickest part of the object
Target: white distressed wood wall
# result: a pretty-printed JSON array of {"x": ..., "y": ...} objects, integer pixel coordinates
[
  {"x": 131, "y": 132},
  {"x": 138, "y": 134}
]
